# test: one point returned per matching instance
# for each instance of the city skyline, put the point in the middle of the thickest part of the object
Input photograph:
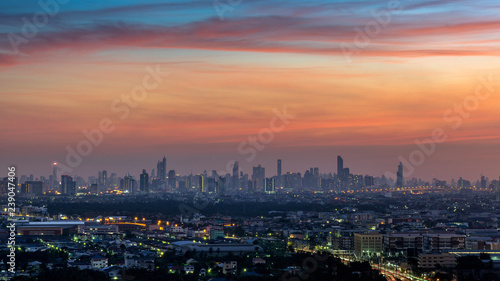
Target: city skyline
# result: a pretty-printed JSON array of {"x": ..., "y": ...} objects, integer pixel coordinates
[
  {"x": 196, "y": 81},
  {"x": 341, "y": 172},
  {"x": 250, "y": 140}
]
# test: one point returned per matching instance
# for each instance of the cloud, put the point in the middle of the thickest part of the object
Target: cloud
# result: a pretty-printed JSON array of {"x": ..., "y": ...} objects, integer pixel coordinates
[{"x": 268, "y": 34}]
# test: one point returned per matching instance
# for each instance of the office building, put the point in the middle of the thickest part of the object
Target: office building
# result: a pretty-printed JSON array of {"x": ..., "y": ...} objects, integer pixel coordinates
[
  {"x": 367, "y": 244},
  {"x": 400, "y": 180},
  {"x": 144, "y": 181},
  {"x": 68, "y": 186}
]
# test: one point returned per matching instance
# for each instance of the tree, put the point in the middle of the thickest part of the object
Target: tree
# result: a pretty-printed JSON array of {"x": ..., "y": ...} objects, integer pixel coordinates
[
  {"x": 469, "y": 262},
  {"x": 239, "y": 231}
]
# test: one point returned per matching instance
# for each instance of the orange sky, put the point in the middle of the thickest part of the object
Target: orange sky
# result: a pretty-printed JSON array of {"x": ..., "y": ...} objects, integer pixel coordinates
[{"x": 226, "y": 77}]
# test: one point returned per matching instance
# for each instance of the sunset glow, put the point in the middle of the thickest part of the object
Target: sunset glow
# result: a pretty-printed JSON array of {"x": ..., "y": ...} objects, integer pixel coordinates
[{"x": 369, "y": 101}]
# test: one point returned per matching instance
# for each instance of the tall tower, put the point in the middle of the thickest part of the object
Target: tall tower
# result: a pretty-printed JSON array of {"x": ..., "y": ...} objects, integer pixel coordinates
[
  {"x": 258, "y": 176},
  {"x": 55, "y": 183},
  {"x": 161, "y": 169},
  {"x": 400, "y": 180},
  {"x": 340, "y": 167},
  {"x": 278, "y": 174},
  {"x": 105, "y": 179},
  {"x": 236, "y": 178},
  {"x": 172, "y": 179},
  {"x": 144, "y": 181}
]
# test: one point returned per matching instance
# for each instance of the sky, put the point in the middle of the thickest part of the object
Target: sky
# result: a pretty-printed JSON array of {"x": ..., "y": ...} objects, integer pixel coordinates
[{"x": 117, "y": 85}]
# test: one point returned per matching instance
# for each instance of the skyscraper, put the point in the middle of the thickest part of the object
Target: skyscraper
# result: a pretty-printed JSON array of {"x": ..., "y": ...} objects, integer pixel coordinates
[
  {"x": 144, "y": 181},
  {"x": 68, "y": 186},
  {"x": 400, "y": 180},
  {"x": 128, "y": 184},
  {"x": 278, "y": 174},
  {"x": 258, "y": 176},
  {"x": 102, "y": 180},
  {"x": 340, "y": 167},
  {"x": 161, "y": 169},
  {"x": 55, "y": 184},
  {"x": 342, "y": 173},
  {"x": 171, "y": 179},
  {"x": 236, "y": 179},
  {"x": 269, "y": 185},
  {"x": 201, "y": 183}
]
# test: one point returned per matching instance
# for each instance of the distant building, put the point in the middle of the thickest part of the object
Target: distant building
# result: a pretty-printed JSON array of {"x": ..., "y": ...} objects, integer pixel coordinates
[
  {"x": 443, "y": 241},
  {"x": 400, "y": 179},
  {"x": 161, "y": 169},
  {"x": 48, "y": 228},
  {"x": 258, "y": 176},
  {"x": 397, "y": 242},
  {"x": 269, "y": 186},
  {"x": 172, "y": 182},
  {"x": 98, "y": 262},
  {"x": 367, "y": 244},
  {"x": 216, "y": 233},
  {"x": 222, "y": 249},
  {"x": 278, "y": 172},
  {"x": 5, "y": 187},
  {"x": 128, "y": 184},
  {"x": 98, "y": 229},
  {"x": 230, "y": 267},
  {"x": 103, "y": 180},
  {"x": 235, "y": 180},
  {"x": 144, "y": 181},
  {"x": 430, "y": 261},
  {"x": 32, "y": 188},
  {"x": 55, "y": 184},
  {"x": 68, "y": 186}
]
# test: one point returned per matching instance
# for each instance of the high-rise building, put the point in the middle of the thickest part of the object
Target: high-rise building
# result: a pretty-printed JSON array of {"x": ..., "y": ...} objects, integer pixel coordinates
[
  {"x": 6, "y": 185},
  {"x": 269, "y": 185},
  {"x": 104, "y": 179},
  {"x": 68, "y": 186},
  {"x": 171, "y": 179},
  {"x": 144, "y": 181},
  {"x": 258, "y": 176},
  {"x": 236, "y": 179},
  {"x": 128, "y": 184},
  {"x": 201, "y": 183},
  {"x": 340, "y": 167},
  {"x": 32, "y": 188},
  {"x": 55, "y": 184},
  {"x": 483, "y": 182},
  {"x": 279, "y": 181},
  {"x": 308, "y": 179},
  {"x": 317, "y": 179},
  {"x": 400, "y": 179},
  {"x": 113, "y": 182},
  {"x": 369, "y": 181},
  {"x": 161, "y": 169}
]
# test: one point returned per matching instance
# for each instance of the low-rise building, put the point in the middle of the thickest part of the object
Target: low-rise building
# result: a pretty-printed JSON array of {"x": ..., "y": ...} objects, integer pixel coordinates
[
  {"x": 366, "y": 244},
  {"x": 433, "y": 260}
]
